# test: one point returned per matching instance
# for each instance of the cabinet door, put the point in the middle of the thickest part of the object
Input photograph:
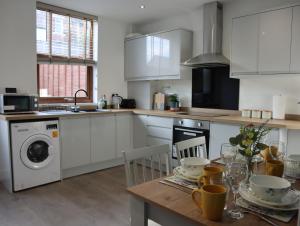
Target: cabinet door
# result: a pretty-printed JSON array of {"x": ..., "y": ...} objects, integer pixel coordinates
[
  {"x": 135, "y": 58},
  {"x": 139, "y": 131},
  {"x": 275, "y": 41},
  {"x": 295, "y": 61},
  {"x": 103, "y": 138},
  {"x": 142, "y": 57},
  {"x": 220, "y": 134},
  {"x": 169, "y": 63},
  {"x": 75, "y": 142},
  {"x": 124, "y": 133},
  {"x": 244, "y": 44}
]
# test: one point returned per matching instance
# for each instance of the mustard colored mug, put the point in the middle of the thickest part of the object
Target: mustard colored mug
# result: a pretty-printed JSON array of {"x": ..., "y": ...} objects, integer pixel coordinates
[
  {"x": 274, "y": 168},
  {"x": 211, "y": 175},
  {"x": 211, "y": 201}
]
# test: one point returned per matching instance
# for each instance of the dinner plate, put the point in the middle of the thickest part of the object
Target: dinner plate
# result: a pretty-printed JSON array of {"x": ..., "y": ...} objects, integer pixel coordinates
[
  {"x": 180, "y": 173},
  {"x": 250, "y": 197}
]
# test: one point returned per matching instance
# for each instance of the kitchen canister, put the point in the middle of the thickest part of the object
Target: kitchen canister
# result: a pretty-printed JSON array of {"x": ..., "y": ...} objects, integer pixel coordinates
[
  {"x": 266, "y": 114},
  {"x": 256, "y": 114},
  {"x": 279, "y": 105},
  {"x": 246, "y": 113}
]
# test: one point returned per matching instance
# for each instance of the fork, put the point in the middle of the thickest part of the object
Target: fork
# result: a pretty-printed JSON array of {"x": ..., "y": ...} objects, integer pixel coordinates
[{"x": 260, "y": 216}]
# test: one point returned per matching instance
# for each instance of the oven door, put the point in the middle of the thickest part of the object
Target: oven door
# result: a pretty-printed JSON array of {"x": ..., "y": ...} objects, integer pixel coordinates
[{"x": 184, "y": 133}]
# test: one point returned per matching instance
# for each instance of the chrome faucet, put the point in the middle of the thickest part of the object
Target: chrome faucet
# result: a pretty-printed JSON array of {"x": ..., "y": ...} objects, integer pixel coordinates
[{"x": 76, "y": 108}]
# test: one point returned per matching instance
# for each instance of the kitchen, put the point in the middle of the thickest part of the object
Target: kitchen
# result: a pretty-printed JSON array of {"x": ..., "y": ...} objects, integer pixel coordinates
[{"x": 262, "y": 73}]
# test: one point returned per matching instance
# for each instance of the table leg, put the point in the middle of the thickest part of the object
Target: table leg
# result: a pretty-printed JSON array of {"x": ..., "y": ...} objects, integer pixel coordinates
[{"x": 138, "y": 212}]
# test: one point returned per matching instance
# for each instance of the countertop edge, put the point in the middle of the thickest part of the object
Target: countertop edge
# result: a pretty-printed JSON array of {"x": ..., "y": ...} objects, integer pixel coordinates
[{"x": 230, "y": 119}]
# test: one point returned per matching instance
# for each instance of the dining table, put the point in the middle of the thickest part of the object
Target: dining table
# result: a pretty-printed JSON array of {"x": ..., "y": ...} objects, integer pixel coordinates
[{"x": 173, "y": 206}]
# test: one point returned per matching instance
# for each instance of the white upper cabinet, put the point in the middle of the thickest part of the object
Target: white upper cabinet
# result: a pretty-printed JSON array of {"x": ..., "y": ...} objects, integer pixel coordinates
[
  {"x": 142, "y": 57},
  {"x": 169, "y": 53},
  {"x": 295, "y": 61},
  {"x": 158, "y": 56},
  {"x": 244, "y": 50},
  {"x": 262, "y": 43},
  {"x": 275, "y": 41}
]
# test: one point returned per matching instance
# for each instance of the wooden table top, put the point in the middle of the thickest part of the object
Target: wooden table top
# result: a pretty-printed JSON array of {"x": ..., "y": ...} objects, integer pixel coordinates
[{"x": 181, "y": 203}]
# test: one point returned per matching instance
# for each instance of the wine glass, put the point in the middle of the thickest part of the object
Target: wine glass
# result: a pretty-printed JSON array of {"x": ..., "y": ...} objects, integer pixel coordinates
[
  {"x": 277, "y": 149},
  {"x": 228, "y": 153},
  {"x": 237, "y": 172}
]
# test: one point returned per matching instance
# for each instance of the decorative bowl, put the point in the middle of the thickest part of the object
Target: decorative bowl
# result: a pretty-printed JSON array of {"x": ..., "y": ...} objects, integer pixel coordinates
[
  {"x": 269, "y": 188},
  {"x": 193, "y": 165}
]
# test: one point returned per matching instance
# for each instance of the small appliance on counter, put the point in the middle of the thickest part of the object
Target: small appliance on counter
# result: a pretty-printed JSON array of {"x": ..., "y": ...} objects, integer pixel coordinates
[
  {"x": 116, "y": 100},
  {"x": 128, "y": 103},
  {"x": 12, "y": 103}
]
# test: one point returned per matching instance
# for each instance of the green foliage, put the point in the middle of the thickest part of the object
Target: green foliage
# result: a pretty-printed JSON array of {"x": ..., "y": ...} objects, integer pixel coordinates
[
  {"x": 173, "y": 98},
  {"x": 249, "y": 139}
]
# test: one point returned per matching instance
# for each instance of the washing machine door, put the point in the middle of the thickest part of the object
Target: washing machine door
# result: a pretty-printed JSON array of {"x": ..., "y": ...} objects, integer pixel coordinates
[{"x": 37, "y": 151}]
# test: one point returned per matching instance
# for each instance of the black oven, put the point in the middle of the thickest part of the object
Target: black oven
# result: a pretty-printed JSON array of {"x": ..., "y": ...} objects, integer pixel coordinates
[{"x": 184, "y": 129}]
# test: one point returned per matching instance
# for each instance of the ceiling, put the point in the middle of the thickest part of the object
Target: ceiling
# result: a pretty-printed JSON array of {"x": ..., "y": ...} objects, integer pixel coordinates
[{"x": 129, "y": 10}]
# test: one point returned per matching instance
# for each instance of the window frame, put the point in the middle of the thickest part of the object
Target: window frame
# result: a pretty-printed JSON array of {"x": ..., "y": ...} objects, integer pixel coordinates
[{"x": 88, "y": 99}]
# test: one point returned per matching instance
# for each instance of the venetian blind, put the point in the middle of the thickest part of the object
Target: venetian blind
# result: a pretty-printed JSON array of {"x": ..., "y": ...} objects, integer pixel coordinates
[{"x": 64, "y": 35}]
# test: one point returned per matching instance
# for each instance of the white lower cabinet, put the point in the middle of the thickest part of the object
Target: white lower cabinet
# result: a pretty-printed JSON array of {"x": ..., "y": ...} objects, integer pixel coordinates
[
  {"x": 124, "y": 138},
  {"x": 139, "y": 131},
  {"x": 75, "y": 142},
  {"x": 103, "y": 145}
]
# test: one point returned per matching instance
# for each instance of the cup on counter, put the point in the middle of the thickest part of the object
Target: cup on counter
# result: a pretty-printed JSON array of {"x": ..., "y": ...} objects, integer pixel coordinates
[
  {"x": 211, "y": 175},
  {"x": 274, "y": 168},
  {"x": 211, "y": 201}
]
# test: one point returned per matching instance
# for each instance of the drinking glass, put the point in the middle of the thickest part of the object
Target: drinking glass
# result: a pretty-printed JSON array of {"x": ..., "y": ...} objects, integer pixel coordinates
[
  {"x": 228, "y": 153},
  {"x": 237, "y": 172},
  {"x": 281, "y": 149}
]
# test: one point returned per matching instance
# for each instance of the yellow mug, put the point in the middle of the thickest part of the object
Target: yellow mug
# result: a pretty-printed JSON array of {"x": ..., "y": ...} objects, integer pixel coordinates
[
  {"x": 211, "y": 175},
  {"x": 211, "y": 200},
  {"x": 274, "y": 168}
]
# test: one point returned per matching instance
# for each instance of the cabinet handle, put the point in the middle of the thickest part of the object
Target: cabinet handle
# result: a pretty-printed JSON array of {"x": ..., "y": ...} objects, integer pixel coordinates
[{"x": 190, "y": 134}]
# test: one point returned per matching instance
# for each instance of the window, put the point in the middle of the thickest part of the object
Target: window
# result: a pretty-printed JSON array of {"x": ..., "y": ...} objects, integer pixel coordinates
[
  {"x": 59, "y": 82},
  {"x": 64, "y": 41}
]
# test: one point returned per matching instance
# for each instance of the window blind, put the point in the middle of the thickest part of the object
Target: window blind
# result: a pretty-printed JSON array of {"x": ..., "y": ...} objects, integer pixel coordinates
[{"x": 64, "y": 36}]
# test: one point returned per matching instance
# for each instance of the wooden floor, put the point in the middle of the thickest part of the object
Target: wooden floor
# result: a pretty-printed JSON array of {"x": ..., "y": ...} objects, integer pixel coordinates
[{"x": 98, "y": 199}]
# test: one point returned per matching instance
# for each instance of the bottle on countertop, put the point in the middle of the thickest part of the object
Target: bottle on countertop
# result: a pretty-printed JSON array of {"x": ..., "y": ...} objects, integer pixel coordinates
[{"x": 102, "y": 103}]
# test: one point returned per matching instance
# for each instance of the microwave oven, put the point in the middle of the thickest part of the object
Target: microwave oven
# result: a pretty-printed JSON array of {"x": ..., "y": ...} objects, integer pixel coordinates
[{"x": 17, "y": 103}]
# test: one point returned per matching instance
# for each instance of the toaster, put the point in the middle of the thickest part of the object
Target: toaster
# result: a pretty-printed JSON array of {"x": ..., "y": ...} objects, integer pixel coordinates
[{"x": 128, "y": 103}]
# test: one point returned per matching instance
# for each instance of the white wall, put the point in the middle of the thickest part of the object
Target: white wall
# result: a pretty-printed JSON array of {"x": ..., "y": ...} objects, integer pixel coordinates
[
  {"x": 257, "y": 93},
  {"x": 17, "y": 45},
  {"x": 111, "y": 57}
]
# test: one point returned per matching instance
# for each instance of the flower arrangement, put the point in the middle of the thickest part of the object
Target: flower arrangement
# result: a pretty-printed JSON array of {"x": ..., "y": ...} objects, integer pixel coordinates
[{"x": 249, "y": 140}]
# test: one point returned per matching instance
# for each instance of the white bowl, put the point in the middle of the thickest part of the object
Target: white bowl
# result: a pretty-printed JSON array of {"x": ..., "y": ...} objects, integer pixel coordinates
[
  {"x": 269, "y": 188},
  {"x": 193, "y": 165}
]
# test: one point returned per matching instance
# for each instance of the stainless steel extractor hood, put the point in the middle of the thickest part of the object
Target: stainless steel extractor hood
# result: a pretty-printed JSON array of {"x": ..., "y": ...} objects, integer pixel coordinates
[{"x": 212, "y": 39}]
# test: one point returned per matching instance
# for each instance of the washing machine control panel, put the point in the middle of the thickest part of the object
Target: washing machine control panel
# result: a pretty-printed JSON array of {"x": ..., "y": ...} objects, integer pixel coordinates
[{"x": 51, "y": 126}]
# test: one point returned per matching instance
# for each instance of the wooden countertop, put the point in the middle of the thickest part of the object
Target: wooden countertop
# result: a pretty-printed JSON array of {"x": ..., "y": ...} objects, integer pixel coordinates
[{"x": 230, "y": 119}]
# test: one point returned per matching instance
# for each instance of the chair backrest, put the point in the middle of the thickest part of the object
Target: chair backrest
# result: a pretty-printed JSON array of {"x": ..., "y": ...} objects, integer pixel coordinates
[
  {"x": 149, "y": 159},
  {"x": 192, "y": 147}
]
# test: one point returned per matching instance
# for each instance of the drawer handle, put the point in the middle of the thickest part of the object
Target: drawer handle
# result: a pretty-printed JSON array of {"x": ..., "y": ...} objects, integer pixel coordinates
[
  {"x": 190, "y": 134},
  {"x": 187, "y": 130}
]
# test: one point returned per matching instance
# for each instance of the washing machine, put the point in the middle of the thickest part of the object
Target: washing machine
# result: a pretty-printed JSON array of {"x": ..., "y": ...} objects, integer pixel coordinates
[{"x": 35, "y": 153}]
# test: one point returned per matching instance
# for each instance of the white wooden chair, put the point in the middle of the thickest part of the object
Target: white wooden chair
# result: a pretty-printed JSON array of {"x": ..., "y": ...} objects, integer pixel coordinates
[
  {"x": 151, "y": 160},
  {"x": 193, "y": 147},
  {"x": 145, "y": 158}
]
